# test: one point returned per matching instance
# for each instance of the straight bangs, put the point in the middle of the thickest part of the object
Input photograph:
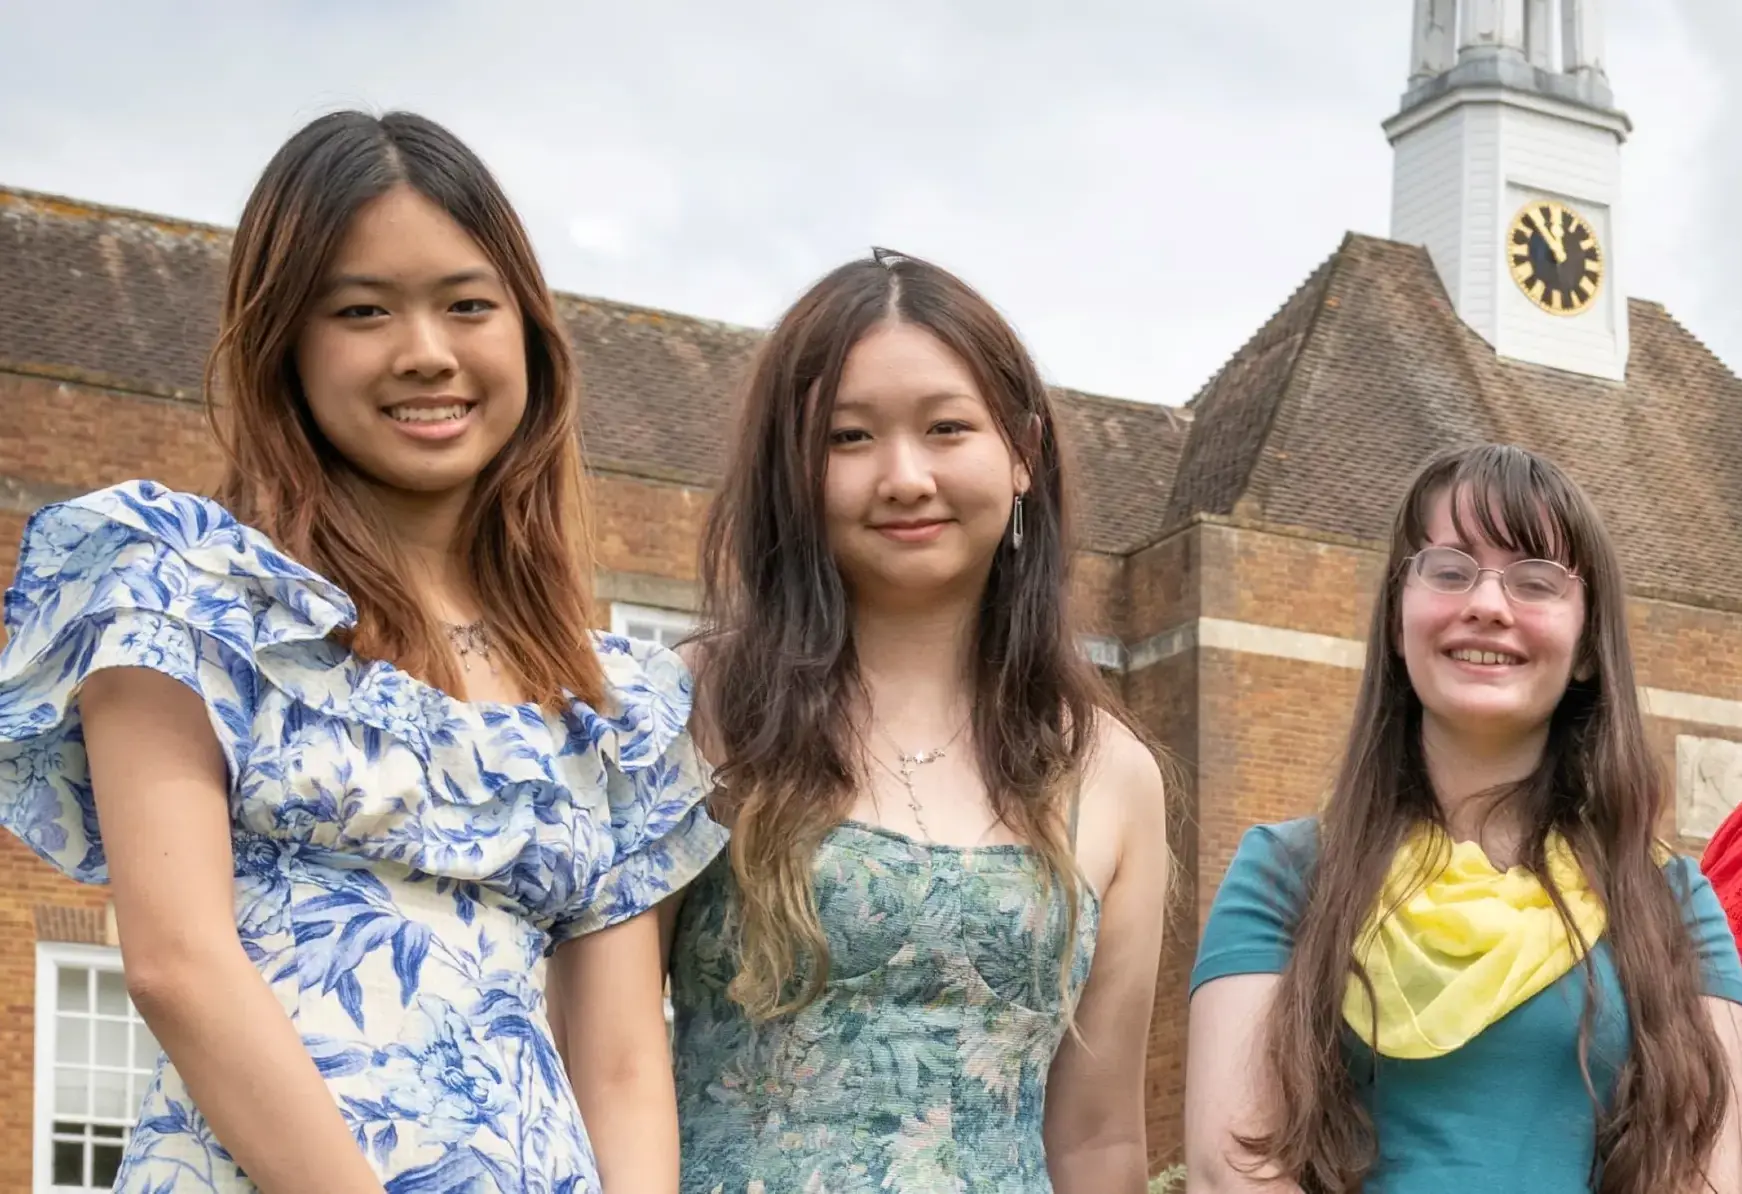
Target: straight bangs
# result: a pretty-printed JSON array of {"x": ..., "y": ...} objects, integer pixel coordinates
[{"x": 1506, "y": 500}]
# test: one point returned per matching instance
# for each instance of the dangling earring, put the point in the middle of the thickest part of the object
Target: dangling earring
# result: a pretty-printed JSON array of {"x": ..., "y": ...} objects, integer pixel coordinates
[{"x": 1016, "y": 524}]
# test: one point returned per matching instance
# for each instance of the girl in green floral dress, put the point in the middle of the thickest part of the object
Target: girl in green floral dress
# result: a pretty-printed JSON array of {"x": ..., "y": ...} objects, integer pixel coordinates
[{"x": 928, "y": 962}]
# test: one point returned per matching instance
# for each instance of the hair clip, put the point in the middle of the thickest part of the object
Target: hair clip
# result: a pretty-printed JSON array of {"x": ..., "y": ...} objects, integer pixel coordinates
[{"x": 887, "y": 258}]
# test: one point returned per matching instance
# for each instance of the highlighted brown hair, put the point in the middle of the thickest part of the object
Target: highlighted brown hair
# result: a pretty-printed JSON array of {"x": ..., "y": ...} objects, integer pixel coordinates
[
  {"x": 524, "y": 530},
  {"x": 778, "y": 668}
]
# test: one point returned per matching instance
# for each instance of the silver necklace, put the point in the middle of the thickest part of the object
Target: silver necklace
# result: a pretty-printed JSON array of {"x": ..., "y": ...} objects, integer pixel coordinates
[
  {"x": 907, "y": 763},
  {"x": 471, "y": 639}
]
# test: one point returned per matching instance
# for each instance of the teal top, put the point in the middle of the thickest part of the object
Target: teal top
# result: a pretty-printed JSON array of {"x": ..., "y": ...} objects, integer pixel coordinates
[
  {"x": 921, "y": 1068},
  {"x": 1509, "y": 1110}
]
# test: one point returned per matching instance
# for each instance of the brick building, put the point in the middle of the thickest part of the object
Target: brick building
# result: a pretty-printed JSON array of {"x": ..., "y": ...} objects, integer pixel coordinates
[{"x": 1228, "y": 549}]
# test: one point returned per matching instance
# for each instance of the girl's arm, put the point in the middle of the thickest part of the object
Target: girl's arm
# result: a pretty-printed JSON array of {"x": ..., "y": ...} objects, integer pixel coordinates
[
  {"x": 611, "y": 984},
  {"x": 1095, "y": 1137},
  {"x": 159, "y": 781},
  {"x": 1725, "y": 1169},
  {"x": 1224, "y": 1085}
]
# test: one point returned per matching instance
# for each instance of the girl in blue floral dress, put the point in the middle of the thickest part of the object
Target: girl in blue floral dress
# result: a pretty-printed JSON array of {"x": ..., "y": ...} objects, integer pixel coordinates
[
  {"x": 341, "y": 741},
  {"x": 946, "y": 850}
]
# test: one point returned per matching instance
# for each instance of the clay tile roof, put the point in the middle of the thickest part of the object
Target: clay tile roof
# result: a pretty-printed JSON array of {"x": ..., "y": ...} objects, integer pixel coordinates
[
  {"x": 1231, "y": 415},
  {"x": 129, "y": 300},
  {"x": 658, "y": 387},
  {"x": 1321, "y": 419},
  {"x": 1122, "y": 455},
  {"x": 110, "y": 296}
]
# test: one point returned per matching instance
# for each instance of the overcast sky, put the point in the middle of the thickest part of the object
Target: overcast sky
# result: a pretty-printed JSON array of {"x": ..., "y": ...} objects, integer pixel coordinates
[{"x": 1138, "y": 183}]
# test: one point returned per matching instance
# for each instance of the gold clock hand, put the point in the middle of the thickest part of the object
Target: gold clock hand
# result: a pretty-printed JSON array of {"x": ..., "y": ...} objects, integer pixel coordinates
[
  {"x": 1560, "y": 237},
  {"x": 1554, "y": 242}
]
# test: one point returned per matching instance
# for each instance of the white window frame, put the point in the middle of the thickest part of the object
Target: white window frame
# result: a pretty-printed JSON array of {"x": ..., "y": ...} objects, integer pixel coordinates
[
  {"x": 660, "y": 618},
  {"x": 51, "y": 957}
]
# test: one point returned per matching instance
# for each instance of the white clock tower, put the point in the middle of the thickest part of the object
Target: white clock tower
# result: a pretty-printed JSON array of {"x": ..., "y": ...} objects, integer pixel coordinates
[{"x": 1508, "y": 155}]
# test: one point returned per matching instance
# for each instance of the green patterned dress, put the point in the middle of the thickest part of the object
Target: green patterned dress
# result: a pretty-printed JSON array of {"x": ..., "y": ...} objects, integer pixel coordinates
[{"x": 921, "y": 1069}]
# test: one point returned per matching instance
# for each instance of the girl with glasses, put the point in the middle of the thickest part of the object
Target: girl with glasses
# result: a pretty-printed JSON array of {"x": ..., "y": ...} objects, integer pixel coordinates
[
  {"x": 1477, "y": 968},
  {"x": 341, "y": 741}
]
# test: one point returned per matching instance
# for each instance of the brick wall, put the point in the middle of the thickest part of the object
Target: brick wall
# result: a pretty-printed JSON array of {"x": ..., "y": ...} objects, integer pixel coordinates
[
  {"x": 1250, "y": 737},
  {"x": 1162, "y": 584},
  {"x": 58, "y": 438},
  {"x": 1166, "y": 698},
  {"x": 1098, "y": 594},
  {"x": 647, "y": 527},
  {"x": 74, "y": 438},
  {"x": 11, "y": 534},
  {"x": 26, "y": 884},
  {"x": 1684, "y": 648}
]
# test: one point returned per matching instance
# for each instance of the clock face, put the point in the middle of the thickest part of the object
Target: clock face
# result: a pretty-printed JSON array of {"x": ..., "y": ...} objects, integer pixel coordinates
[{"x": 1554, "y": 257}]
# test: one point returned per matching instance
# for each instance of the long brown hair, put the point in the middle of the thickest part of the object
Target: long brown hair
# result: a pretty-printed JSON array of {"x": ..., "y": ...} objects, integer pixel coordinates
[
  {"x": 524, "y": 530},
  {"x": 779, "y": 670},
  {"x": 1597, "y": 785}
]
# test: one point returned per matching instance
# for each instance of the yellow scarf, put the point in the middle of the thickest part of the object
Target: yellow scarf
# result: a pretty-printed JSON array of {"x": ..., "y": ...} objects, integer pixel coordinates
[{"x": 1463, "y": 944}]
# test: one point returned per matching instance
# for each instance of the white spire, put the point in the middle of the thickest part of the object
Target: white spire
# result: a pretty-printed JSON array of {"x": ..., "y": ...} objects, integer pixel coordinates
[
  {"x": 1508, "y": 110},
  {"x": 1582, "y": 37},
  {"x": 1539, "y": 33},
  {"x": 1551, "y": 47},
  {"x": 1491, "y": 25},
  {"x": 1434, "y": 49}
]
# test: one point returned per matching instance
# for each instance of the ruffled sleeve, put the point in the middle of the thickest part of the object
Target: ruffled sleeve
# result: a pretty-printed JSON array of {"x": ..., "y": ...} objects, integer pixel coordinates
[
  {"x": 657, "y": 785},
  {"x": 134, "y": 576}
]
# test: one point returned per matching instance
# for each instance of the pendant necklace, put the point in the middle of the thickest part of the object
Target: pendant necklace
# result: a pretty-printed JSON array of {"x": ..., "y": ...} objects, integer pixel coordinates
[
  {"x": 907, "y": 763},
  {"x": 468, "y": 640}
]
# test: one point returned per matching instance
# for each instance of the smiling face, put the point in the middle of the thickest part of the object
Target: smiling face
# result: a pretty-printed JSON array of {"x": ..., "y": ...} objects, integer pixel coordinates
[
  {"x": 1484, "y": 663},
  {"x": 413, "y": 356},
  {"x": 920, "y": 482}
]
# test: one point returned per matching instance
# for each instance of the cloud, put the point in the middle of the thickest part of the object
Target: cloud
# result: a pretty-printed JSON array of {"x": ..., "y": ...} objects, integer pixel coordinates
[
  {"x": 1698, "y": 191},
  {"x": 1138, "y": 186}
]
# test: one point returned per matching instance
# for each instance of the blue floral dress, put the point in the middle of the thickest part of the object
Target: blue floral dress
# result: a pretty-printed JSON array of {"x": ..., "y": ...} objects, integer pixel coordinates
[{"x": 404, "y": 860}]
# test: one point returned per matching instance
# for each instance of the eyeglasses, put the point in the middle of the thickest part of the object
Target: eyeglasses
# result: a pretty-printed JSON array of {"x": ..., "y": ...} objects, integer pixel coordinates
[{"x": 1448, "y": 570}]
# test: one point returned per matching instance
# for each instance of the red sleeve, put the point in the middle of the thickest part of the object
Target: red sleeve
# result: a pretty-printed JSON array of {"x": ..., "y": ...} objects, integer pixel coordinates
[{"x": 1722, "y": 864}]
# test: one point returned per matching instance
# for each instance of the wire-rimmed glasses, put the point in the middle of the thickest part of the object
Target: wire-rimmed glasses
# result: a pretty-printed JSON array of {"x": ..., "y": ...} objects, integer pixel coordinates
[{"x": 1448, "y": 570}]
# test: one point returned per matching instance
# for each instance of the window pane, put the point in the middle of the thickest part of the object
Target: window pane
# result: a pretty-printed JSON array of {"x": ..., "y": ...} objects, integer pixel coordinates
[
  {"x": 103, "y": 1057},
  {"x": 112, "y": 993},
  {"x": 109, "y": 1094},
  {"x": 144, "y": 1048},
  {"x": 111, "y": 1044},
  {"x": 72, "y": 1039},
  {"x": 655, "y": 624},
  {"x": 69, "y": 1164},
  {"x": 69, "y": 1092},
  {"x": 72, "y": 993},
  {"x": 105, "y": 1164}
]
